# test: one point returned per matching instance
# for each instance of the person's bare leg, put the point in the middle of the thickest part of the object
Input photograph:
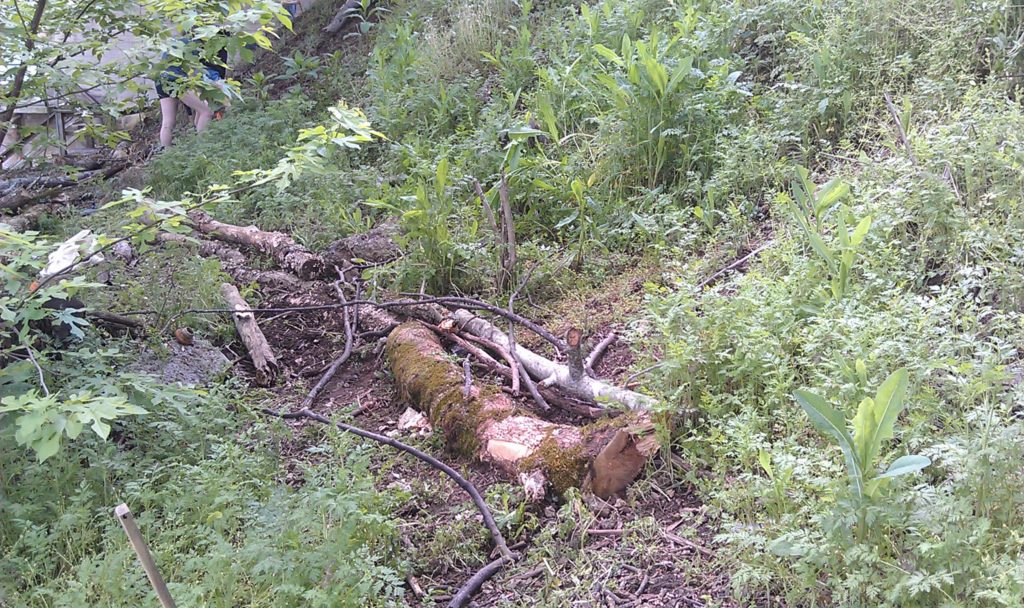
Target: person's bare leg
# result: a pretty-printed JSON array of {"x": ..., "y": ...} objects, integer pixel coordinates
[
  {"x": 168, "y": 116},
  {"x": 202, "y": 109}
]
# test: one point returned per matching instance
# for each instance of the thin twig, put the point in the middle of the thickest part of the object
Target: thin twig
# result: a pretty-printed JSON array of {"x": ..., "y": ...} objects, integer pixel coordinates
[
  {"x": 734, "y": 265},
  {"x": 577, "y": 407},
  {"x": 595, "y": 354},
  {"x": 359, "y": 289},
  {"x": 336, "y": 365},
  {"x": 482, "y": 355},
  {"x": 42, "y": 381},
  {"x": 531, "y": 386},
  {"x": 508, "y": 229},
  {"x": 645, "y": 370},
  {"x": 478, "y": 500},
  {"x": 471, "y": 303},
  {"x": 684, "y": 542},
  {"x": 513, "y": 363},
  {"x": 643, "y": 585},
  {"x": 899, "y": 127},
  {"x": 455, "y": 301},
  {"x": 493, "y": 225}
]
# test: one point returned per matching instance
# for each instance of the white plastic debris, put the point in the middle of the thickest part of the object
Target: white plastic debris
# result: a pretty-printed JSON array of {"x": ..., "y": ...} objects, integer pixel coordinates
[{"x": 78, "y": 247}]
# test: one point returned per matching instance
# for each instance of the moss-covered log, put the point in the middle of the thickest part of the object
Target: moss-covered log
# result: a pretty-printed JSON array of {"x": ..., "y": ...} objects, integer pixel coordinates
[{"x": 603, "y": 457}]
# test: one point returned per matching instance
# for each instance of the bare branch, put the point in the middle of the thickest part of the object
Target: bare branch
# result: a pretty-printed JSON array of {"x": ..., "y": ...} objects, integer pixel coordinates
[
  {"x": 32, "y": 358},
  {"x": 336, "y": 365},
  {"x": 595, "y": 355},
  {"x": 478, "y": 500}
]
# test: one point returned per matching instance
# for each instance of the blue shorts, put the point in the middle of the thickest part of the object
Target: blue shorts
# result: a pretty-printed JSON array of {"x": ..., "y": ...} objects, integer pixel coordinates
[
  {"x": 166, "y": 77},
  {"x": 173, "y": 74}
]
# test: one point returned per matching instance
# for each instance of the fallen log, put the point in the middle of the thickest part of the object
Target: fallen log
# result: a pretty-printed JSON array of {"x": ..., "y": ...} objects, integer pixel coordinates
[
  {"x": 346, "y": 12},
  {"x": 29, "y": 218},
  {"x": 603, "y": 457},
  {"x": 233, "y": 262},
  {"x": 490, "y": 364},
  {"x": 278, "y": 245},
  {"x": 550, "y": 373},
  {"x": 255, "y": 342},
  {"x": 20, "y": 196},
  {"x": 375, "y": 246}
]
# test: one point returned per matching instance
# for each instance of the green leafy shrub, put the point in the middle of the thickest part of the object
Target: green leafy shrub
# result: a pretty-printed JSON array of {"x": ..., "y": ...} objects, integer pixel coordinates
[{"x": 223, "y": 529}]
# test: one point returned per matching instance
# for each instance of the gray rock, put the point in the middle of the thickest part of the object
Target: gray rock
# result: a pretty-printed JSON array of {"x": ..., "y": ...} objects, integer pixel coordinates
[{"x": 190, "y": 366}]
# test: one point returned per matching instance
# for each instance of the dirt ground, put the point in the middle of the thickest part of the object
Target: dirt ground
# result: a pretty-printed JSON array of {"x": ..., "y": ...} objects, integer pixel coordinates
[{"x": 652, "y": 547}]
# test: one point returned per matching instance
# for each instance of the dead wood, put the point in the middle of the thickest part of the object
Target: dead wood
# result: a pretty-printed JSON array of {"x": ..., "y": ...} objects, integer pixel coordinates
[
  {"x": 490, "y": 364},
  {"x": 508, "y": 232},
  {"x": 110, "y": 318},
  {"x": 346, "y": 12},
  {"x": 51, "y": 189},
  {"x": 900, "y": 131},
  {"x": 255, "y": 342},
  {"x": 604, "y": 456},
  {"x": 534, "y": 391},
  {"x": 375, "y": 246},
  {"x": 551, "y": 373},
  {"x": 574, "y": 338},
  {"x": 29, "y": 218},
  {"x": 345, "y": 354},
  {"x": 513, "y": 365},
  {"x": 286, "y": 252},
  {"x": 734, "y": 265},
  {"x": 23, "y": 198},
  {"x": 595, "y": 355},
  {"x": 474, "y": 304},
  {"x": 38, "y": 182},
  {"x": 234, "y": 261}
]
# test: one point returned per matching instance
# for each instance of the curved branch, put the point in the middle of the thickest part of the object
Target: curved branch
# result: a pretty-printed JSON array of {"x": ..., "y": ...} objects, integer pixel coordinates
[
  {"x": 478, "y": 500},
  {"x": 473, "y": 585}
]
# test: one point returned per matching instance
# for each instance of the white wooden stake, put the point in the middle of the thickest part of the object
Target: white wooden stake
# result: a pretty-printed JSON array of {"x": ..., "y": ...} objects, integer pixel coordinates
[{"x": 124, "y": 515}]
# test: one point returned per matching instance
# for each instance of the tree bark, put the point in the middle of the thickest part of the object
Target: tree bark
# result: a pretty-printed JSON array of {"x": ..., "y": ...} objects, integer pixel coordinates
[
  {"x": 550, "y": 373},
  {"x": 603, "y": 457},
  {"x": 29, "y": 218},
  {"x": 285, "y": 251},
  {"x": 57, "y": 190},
  {"x": 342, "y": 16},
  {"x": 255, "y": 342},
  {"x": 19, "y": 77},
  {"x": 234, "y": 262}
]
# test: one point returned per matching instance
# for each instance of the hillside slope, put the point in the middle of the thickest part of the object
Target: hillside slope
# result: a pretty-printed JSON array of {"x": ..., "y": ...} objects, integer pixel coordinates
[{"x": 800, "y": 219}]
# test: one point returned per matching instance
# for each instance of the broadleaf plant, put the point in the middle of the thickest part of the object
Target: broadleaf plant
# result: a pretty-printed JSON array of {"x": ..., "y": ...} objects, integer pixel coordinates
[{"x": 874, "y": 423}]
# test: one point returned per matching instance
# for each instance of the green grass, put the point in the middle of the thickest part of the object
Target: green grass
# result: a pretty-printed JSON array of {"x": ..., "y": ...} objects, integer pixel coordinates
[{"x": 222, "y": 526}]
